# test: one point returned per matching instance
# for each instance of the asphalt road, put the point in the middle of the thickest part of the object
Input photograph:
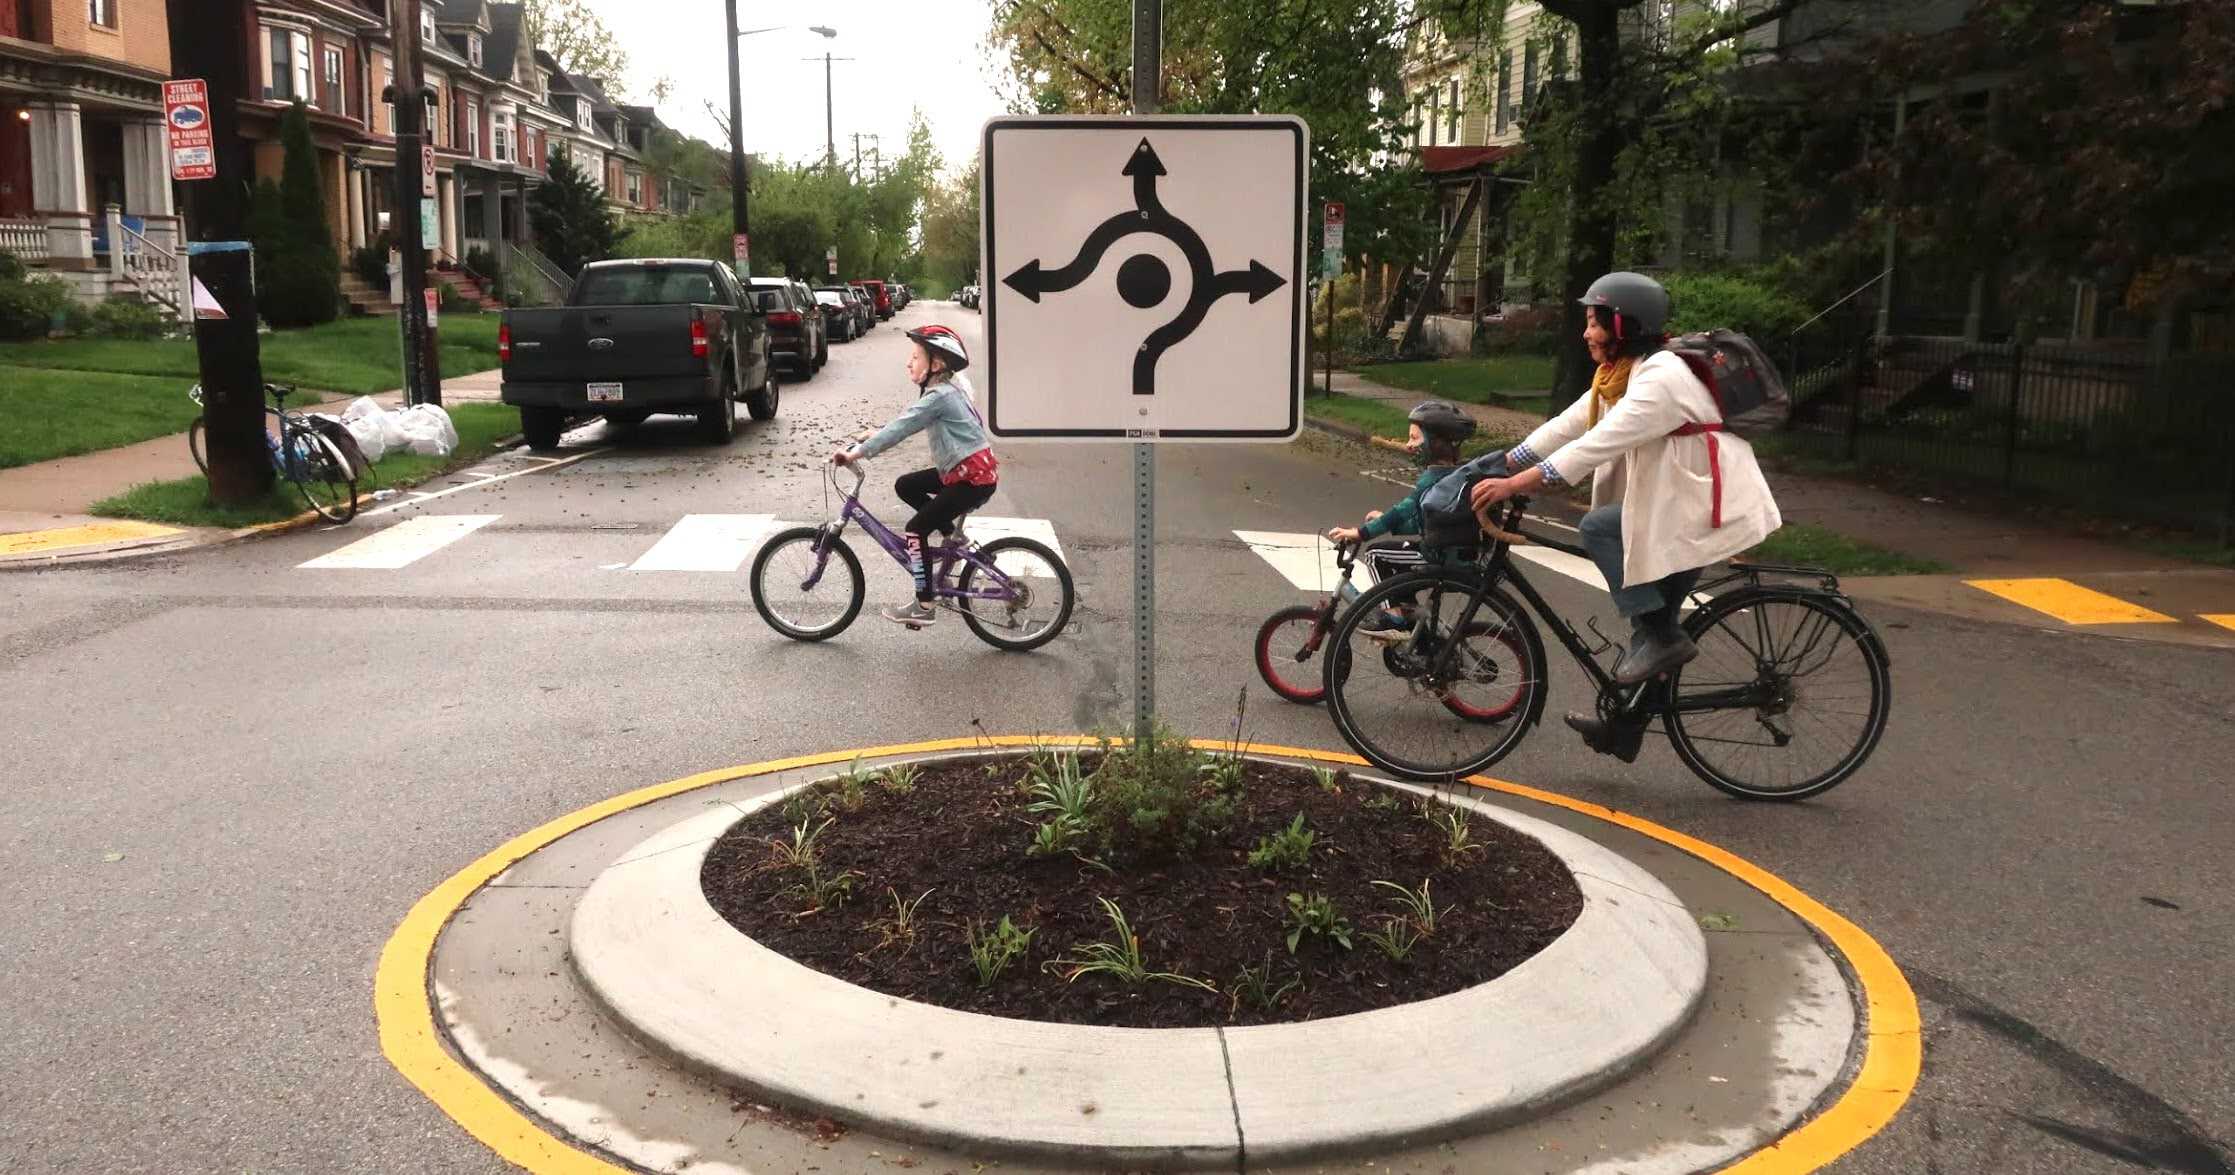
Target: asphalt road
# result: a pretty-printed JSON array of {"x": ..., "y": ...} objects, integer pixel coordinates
[{"x": 229, "y": 776}]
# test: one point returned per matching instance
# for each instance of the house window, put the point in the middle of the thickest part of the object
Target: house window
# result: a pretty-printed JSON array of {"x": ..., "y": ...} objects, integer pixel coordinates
[
  {"x": 101, "y": 12},
  {"x": 473, "y": 128},
  {"x": 543, "y": 86},
  {"x": 636, "y": 187},
  {"x": 473, "y": 48},
  {"x": 387, "y": 107},
  {"x": 287, "y": 67},
  {"x": 1505, "y": 92},
  {"x": 1528, "y": 77},
  {"x": 1435, "y": 113},
  {"x": 426, "y": 26},
  {"x": 329, "y": 72},
  {"x": 1451, "y": 115},
  {"x": 500, "y": 134},
  {"x": 432, "y": 127}
]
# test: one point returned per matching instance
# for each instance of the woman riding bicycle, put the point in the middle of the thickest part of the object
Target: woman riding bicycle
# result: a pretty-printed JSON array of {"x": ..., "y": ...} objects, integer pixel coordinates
[
  {"x": 964, "y": 471},
  {"x": 1666, "y": 498}
]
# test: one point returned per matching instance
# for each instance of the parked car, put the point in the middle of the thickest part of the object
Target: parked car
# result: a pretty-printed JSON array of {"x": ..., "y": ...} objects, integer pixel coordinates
[
  {"x": 868, "y": 306},
  {"x": 842, "y": 310},
  {"x": 969, "y": 297},
  {"x": 795, "y": 324},
  {"x": 819, "y": 321},
  {"x": 634, "y": 338},
  {"x": 901, "y": 295},
  {"x": 883, "y": 297}
]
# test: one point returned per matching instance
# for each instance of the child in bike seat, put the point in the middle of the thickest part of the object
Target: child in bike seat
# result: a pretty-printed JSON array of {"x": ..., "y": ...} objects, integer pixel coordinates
[
  {"x": 1437, "y": 429},
  {"x": 963, "y": 473}
]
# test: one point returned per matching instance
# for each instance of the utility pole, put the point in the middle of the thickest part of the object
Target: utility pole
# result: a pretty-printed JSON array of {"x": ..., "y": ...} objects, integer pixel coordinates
[
  {"x": 407, "y": 96},
  {"x": 830, "y": 123},
  {"x": 740, "y": 221},
  {"x": 1148, "y": 82}
]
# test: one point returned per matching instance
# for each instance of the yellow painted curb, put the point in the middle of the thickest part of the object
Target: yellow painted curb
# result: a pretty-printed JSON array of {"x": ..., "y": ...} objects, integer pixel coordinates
[
  {"x": 30, "y": 542},
  {"x": 2064, "y": 600},
  {"x": 410, "y": 1039}
]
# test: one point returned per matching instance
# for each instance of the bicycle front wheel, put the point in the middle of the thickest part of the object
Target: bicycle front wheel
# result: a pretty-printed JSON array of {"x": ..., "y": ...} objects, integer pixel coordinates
[
  {"x": 1788, "y": 696},
  {"x": 323, "y": 473},
  {"x": 1409, "y": 709},
  {"x": 1288, "y": 653},
  {"x": 807, "y": 585},
  {"x": 1031, "y": 609}
]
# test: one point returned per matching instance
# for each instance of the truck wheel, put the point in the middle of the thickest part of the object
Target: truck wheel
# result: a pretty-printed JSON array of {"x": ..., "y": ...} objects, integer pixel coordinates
[
  {"x": 542, "y": 427},
  {"x": 762, "y": 404},
  {"x": 717, "y": 422}
]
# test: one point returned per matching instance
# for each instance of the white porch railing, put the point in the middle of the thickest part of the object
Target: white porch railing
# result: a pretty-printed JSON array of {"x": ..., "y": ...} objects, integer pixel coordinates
[
  {"x": 155, "y": 271},
  {"x": 27, "y": 239}
]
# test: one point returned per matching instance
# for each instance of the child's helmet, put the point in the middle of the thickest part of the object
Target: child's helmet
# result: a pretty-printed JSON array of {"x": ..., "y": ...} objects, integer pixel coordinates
[
  {"x": 944, "y": 343},
  {"x": 1441, "y": 421}
]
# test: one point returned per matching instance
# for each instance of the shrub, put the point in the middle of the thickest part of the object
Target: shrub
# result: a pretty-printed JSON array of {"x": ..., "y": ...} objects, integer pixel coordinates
[
  {"x": 1152, "y": 798},
  {"x": 454, "y": 302},
  {"x": 127, "y": 318},
  {"x": 370, "y": 264},
  {"x": 29, "y": 306},
  {"x": 481, "y": 262},
  {"x": 1531, "y": 331},
  {"x": 11, "y": 267},
  {"x": 1707, "y": 301}
]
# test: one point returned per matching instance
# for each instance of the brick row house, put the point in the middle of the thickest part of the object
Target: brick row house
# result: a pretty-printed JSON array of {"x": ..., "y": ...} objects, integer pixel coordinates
[
  {"x": 81, "y": 131},
  {"x": 80, "y": 96}
]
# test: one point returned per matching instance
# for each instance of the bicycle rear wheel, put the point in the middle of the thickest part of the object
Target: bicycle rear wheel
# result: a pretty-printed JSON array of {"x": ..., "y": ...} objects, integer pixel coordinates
[
  {"x": 321, "y": 472},
  {"x": 1393, "y": 706},
  {"x": 1040, "y": 606},
  {"x": 1787, "y": 698},
  {"x": 1287, "y": 654}
]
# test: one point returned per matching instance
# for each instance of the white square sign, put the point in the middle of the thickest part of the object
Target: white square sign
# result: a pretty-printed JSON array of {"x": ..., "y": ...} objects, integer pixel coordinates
[{"x": 1144, "y": 277}]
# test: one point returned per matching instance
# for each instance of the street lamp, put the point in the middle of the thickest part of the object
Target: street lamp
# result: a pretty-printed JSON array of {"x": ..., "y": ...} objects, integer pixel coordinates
[{"x": 830, "y": 125}]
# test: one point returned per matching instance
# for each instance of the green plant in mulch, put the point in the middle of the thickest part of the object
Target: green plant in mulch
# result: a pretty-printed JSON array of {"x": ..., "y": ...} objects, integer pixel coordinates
[
  {"x": 1153, "y": 798},
  {"x": 1456, "y": 827},
  {"x": 1316, "y": 916},
  {"x": 1401, "y": 932},
  {"x": 1120, "y": 960},
  {"x": 1062, "y": 792},
  {"x": 1288, "y": 848},
  {"x": 1254, "y": 987},
  {"x": 899, "y": 779},
  {"x": 991, "y": 951}
]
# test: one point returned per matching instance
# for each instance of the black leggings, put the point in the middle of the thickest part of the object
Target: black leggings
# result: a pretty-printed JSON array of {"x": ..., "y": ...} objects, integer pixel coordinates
[{"x": 937, "y": 506}]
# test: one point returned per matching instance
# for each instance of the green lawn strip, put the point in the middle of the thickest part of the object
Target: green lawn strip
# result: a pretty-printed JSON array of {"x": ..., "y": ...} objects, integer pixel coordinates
[
  {"x": 1514, "y": 381},
  {"x": 185, "y": 501},
  {"x": 1383, "y": 418},
  {"x": 357, "y": 356},
  {"x": 53, "y": 414},
  {"x": 1813, "y": 546}
]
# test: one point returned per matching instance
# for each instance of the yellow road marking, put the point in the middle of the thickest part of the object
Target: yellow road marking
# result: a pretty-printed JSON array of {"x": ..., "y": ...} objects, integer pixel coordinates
[
  {"x": 33, "y": 541},
  {"x": 2223, "y": 619},
  {"x": 2069, "y": 602},
  {"x": 403, "y": 1006}
]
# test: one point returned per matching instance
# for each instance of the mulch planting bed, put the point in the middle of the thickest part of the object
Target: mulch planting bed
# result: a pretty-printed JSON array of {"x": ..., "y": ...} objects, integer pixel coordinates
[{"x": 962, "y": 833}]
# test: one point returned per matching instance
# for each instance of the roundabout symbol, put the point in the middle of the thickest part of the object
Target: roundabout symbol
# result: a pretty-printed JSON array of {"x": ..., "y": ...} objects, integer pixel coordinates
[{"x": 1143, "y": 279}]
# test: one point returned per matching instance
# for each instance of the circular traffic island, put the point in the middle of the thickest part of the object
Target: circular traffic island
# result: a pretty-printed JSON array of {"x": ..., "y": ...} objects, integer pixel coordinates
[{"x": 1154, "y": 956}]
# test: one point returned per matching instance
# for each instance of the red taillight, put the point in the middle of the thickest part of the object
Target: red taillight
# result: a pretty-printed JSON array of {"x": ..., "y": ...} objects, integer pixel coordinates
[
  {"x": 784, "y": 318},
  {"x": 504, "y": 344},
  {"x": 698, "y": 338}
]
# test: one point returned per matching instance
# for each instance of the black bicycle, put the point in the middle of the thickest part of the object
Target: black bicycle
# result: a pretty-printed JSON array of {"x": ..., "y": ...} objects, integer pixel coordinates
[
  {"x": 301, "y": 453},
  {"x": 1787, "y": 698}
]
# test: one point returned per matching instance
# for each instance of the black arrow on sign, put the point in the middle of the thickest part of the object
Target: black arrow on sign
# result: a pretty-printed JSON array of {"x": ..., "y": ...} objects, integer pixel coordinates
[{"x": 1149, "y": 216}]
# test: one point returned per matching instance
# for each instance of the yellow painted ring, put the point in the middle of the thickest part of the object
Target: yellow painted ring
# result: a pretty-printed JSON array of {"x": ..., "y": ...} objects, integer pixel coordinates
[{"x": 404, "y": 1011}]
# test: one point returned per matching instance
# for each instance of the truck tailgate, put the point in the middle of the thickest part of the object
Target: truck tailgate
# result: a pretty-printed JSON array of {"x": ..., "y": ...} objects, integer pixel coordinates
[{"x": 586, "y": 343}]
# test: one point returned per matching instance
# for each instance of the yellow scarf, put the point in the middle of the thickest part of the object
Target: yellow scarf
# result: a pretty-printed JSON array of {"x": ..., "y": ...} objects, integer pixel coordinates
[{"x": 1608, "y": 383}]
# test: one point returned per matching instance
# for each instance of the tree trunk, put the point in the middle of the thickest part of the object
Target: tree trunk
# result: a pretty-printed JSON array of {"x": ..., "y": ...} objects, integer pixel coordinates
[{"x": 1591, "y": 226}]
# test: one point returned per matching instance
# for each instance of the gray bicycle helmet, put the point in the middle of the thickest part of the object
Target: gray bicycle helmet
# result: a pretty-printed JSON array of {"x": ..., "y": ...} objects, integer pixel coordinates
[
  {"x": 1633, "y": 295},
  {"x": 1442, "y": 421}
]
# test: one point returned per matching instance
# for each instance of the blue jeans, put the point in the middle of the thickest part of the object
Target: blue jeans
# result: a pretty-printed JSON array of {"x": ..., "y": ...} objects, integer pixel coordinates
[{"x": 1601, "y": 530}]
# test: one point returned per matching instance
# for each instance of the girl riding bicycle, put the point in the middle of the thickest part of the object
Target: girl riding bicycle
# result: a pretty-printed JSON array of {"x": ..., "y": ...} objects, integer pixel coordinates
[{"x": 964, "y": 471}]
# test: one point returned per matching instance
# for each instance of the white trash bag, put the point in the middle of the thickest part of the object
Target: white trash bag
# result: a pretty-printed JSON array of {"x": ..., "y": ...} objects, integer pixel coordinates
[
  {"x": 363, "y": 420},
  {"x": 427, "y": 430}
]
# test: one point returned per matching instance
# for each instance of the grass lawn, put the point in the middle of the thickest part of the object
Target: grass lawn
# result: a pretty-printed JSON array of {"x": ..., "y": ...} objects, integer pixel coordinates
[
  {"x": 1515, "y": 381},
  {"x": 63, "y": 413},
  {"x": 354, "y": 355},
  {"x": 185, "y": 501},
  {"x": 1813, "y": 546},
  {"x": 1382, "y": 418}
]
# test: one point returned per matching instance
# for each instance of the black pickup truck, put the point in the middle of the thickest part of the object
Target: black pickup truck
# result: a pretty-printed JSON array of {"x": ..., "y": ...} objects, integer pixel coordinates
[{"x": 638, "y": 337}]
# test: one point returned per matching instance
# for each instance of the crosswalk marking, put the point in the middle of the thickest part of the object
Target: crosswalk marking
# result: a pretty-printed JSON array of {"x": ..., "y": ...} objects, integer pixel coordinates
[
  {"x": 983, "y": 530},
  {"x": 1306, "y": 561},
  {"x": 707, "y": 542},
  {"x": 2064, "y": 600},
  {"x": 1575, "y": 567},
  {"x": 403, "y": 544}
]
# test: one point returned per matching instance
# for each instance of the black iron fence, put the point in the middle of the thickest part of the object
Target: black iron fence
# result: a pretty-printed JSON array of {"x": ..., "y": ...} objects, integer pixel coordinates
[{"x": 2109, "y": 428}]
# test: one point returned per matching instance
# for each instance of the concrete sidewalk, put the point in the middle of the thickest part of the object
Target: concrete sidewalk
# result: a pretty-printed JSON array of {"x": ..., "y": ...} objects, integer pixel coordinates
[{"x": 46, "y": 507}]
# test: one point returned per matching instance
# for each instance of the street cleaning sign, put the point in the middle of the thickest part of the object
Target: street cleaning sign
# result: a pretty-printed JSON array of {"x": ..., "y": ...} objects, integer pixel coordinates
[
  {"x": 186, "y": 113},
  {"x": 1147, "y": 277}
]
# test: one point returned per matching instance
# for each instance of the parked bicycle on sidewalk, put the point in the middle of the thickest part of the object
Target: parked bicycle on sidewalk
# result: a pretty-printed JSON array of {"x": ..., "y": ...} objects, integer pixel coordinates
[{"x": 322, "y": 466}]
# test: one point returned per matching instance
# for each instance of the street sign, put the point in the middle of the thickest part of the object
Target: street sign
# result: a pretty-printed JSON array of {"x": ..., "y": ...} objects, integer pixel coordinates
[
  {"x": 430, "y": 224},
  {"x": 1331, "y": 233},
  {"x": 427, "y": 171},
  {"x": 186, "y": 111},
  {"x": 832, "y": 256},
  {"x": 1148, "y": 277},
  {"x": 740, "y": 248},
  {"x": 434, "y": 308}
]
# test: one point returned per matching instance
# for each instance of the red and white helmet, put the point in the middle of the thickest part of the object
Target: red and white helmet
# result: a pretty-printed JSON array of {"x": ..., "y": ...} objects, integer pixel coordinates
[{"x": 944, "y": 343}]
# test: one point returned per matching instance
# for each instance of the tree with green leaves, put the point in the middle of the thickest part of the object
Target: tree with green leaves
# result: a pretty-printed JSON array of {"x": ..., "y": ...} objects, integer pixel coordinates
[
  {"x": 298, "y": 270},
  {"x": 572, "y": 224},
  {"x": 950, "y": 231},
  {"x": 573, "y": 34}
]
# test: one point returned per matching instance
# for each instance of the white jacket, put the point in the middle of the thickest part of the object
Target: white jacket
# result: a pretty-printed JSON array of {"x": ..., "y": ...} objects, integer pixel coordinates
[{"x": 1667, "y": 485}]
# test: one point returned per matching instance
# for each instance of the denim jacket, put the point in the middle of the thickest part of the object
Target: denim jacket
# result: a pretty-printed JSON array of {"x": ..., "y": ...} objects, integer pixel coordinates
[{"x": 944, "y": 409}]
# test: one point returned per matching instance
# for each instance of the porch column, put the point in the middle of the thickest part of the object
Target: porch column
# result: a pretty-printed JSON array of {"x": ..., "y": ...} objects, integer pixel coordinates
[
  {"x": 58, "y": 193},
  {"x": 492, "y": 210},
  {"x": 147, "y": 181},
  {"x": 356, "y": 186},
  {"x": 452, "y": 210}
]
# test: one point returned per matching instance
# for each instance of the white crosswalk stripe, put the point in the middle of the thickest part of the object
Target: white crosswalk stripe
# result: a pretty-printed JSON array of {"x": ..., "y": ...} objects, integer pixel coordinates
[
  {"x": 983, "y": 530},
  {"x": 1306, "y": 561},
  {"x": 403, "y": 544},
  {"x": 707, "y": 542}
]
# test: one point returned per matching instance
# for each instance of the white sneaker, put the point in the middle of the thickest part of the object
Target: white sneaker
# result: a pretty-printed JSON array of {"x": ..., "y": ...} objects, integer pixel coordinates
[{"x": 914, "y": 615}]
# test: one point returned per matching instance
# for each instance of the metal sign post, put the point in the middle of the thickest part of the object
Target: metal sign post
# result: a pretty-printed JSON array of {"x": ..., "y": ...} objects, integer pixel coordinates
[{"x": 1148, "y": 83}]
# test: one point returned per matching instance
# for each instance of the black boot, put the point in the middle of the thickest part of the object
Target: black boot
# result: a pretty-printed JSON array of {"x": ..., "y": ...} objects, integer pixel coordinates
[
  {"x": 1657, "y": 645},
  {"x": 1619, "y": 739}
]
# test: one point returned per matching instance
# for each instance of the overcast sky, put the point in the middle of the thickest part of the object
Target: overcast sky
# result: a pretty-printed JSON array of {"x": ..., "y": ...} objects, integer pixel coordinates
[{"x": 907, "y": 53}]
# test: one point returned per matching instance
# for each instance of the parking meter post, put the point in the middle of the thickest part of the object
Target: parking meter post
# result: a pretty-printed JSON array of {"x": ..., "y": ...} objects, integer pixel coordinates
[
  {"x": 1148, "y": 80},
  {"x": 221, "y": 275}
]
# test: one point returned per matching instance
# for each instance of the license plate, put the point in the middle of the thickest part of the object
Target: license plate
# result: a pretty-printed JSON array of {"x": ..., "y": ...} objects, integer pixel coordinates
[{"x": 605, "y": 393}]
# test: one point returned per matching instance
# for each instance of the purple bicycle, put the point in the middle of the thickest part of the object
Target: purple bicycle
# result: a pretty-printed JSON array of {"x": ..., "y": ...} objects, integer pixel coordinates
[{"x": 1013, "y": 593}]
